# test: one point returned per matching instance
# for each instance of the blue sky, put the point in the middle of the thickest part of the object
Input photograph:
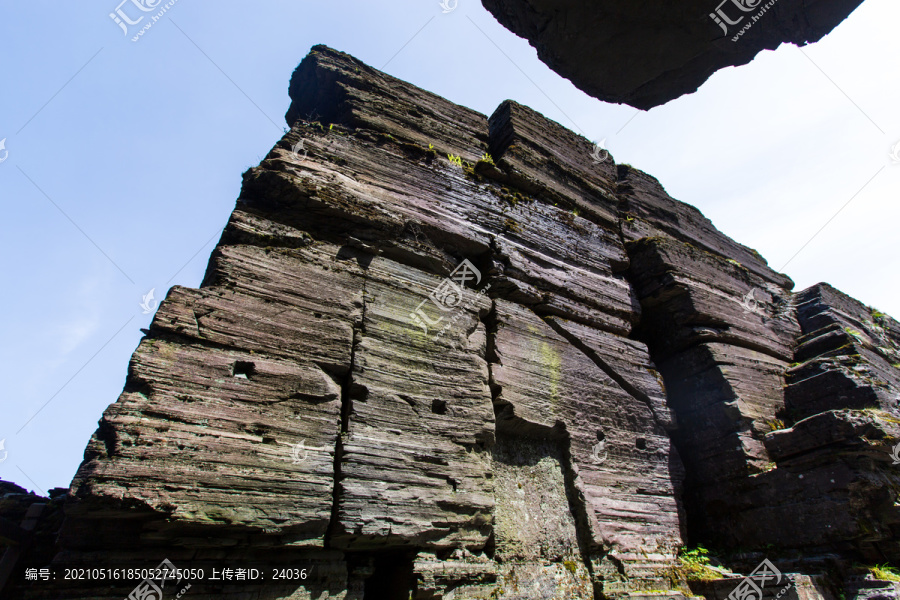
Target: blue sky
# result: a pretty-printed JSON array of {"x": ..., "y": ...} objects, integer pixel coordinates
[{"x": 125, "y": 161}]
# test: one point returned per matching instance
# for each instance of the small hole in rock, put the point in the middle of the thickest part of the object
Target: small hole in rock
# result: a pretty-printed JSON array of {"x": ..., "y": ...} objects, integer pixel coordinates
[
  {"x": 439, "y": 407},
  {"x": 243, "y": 370},
  {"x": 601, "y": 436},
  {"x": 641, "y": 444}
]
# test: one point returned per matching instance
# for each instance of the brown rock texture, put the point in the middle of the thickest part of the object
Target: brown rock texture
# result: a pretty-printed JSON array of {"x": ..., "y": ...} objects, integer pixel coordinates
[
  {"x": 646, "y": 54},
  {"x": 441, "y": 355}
]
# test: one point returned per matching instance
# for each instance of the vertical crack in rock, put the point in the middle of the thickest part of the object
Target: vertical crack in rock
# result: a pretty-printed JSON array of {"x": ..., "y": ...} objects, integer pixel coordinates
[
  {"x": 346, "y": 408},
  {"x": 489, "y": 320},
  {"x": 579, "y": 508}
]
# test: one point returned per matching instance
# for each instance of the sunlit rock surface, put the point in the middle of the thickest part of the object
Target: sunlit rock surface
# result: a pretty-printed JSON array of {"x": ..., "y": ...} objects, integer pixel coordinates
[{"x": 520, "y": 373}]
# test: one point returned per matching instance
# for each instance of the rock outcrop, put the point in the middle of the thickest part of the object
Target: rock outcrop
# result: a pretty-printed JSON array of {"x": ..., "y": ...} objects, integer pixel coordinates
[
  {"x": 650, "y": 53},
  {"x": 441, "y": 355}
]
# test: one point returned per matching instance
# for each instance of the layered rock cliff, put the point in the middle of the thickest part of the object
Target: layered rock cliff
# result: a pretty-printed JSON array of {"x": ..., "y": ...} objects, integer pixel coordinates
[
  {"x": 441, "y": 355},
  {"x": 645, "y": 54}
]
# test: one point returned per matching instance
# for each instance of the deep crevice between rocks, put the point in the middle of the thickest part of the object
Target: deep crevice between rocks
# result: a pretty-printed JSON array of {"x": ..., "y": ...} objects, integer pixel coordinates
[
  {"x": 346, "y": 408},
  {"x": 579, "y": 507}
]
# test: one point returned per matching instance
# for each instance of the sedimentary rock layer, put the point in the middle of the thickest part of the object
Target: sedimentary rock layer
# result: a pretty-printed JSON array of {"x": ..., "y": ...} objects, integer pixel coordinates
[
  {"x": 787, "y": 404},
  {"x": 441, "y": 355}
]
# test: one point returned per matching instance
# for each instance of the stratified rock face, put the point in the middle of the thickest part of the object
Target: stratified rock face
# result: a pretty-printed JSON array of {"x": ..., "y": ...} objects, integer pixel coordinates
[
  {"x": 777, "y": 452},
  {"x": 508, "y": 439},
  {"x": 846, "y": 358},
  {"x": 645, "y": 54},
  {"x": 842, "y": 400},
  {"x": 523, "y": 375}
]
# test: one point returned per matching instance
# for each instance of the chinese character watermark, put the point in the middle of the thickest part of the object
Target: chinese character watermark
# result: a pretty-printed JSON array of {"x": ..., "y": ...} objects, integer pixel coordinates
[
  {"x": 596, "y": 450},
  {"x": 750, "y": 304},
  {"x": 448, "y": 297},
  {"x": 298, "y": 151},
  {"x": 748, "y": 589},
  {"x": 148, "y": 303},
  {"x": 600, "y": 153},
  {"x": 33, "y": 574},
  {"x": 722, "y": 19},
  {"x": 300, "y": 453},
  {"x": 895, "y": 153},
  {"x": 4, "y": 153},
  {"x": 448, "y": 6},
  {"x": 3, "y": 453},
  {"x": 895, "y": 455},
  {"x": 124, "y": 20},
  {"x": 152, "y": 587}
]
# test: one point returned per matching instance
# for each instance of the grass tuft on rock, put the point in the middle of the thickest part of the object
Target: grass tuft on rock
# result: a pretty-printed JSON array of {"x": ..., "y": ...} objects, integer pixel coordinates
[
  {"x": 885, "y": 573},
  {"x": 693, "y": 565}
]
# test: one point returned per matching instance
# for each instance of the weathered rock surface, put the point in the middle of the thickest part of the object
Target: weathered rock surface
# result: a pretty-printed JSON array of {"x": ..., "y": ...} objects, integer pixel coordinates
[
  {"x": 649, "y": 53},
  {"x": 517, "y": 375},
  {"x": 847, "y": 357},
  {"x": 762, "y": 435}
]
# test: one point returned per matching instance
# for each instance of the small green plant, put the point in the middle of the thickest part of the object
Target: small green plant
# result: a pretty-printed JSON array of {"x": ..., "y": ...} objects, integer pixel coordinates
[
  {"x": 885, "y": 573},
  {"x": 881, "y": 415},
  {"x": 455, "y": 160},
  {"x": 694, "y": 565},
  {"x": 513, "y": 226},
  {"x": 694, "y": 556},
  {"x": 775, "y": 424},
  {"x": 575, "y": 212},
  {"x": 856, "y": 334},
  {"x": 512, "y": 197},
  {"x": 487, "y": 158},
  {"x": 431, "y": 147},
  {"x": 734, "y": 262}
]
